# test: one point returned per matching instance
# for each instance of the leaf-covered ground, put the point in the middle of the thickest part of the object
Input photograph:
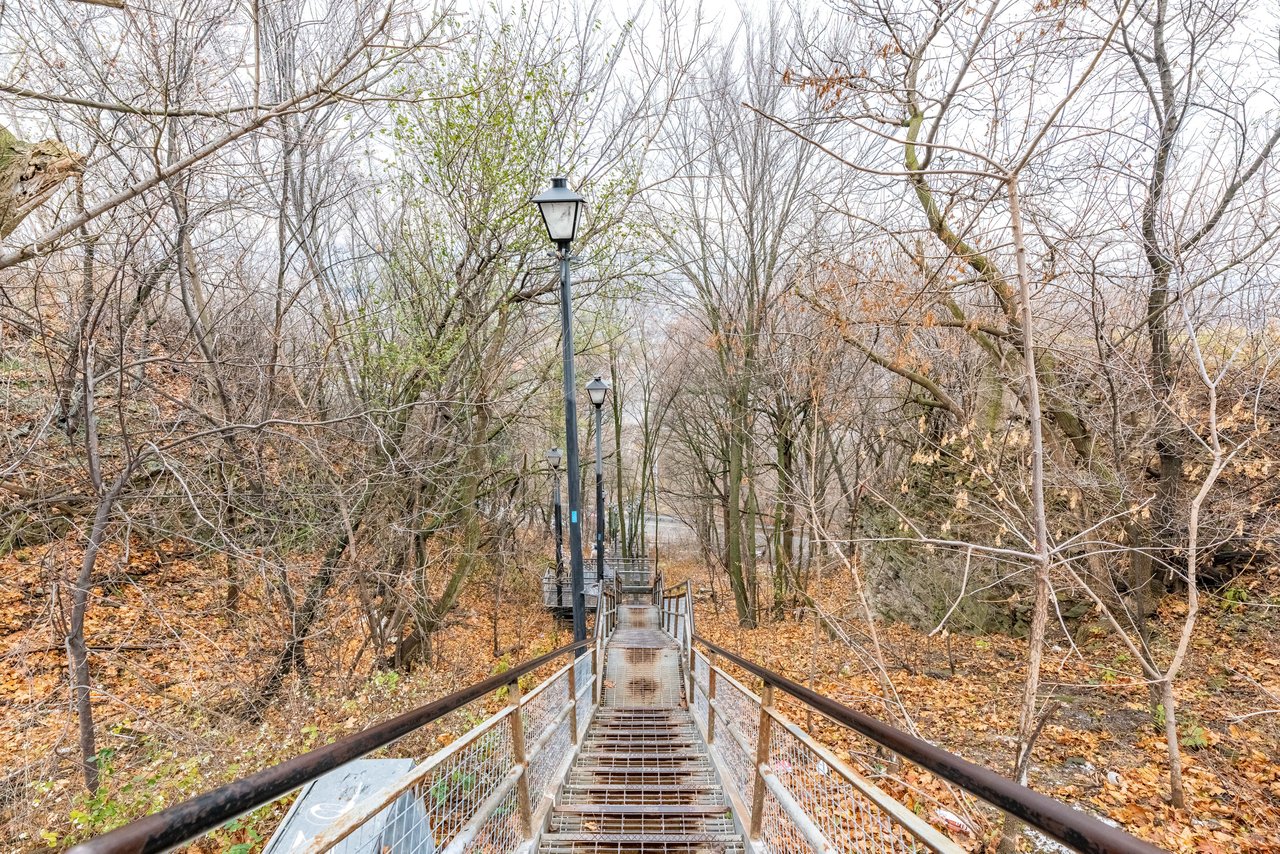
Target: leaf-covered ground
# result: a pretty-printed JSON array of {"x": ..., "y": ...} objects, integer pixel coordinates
[{"x": 174, "y": 672}]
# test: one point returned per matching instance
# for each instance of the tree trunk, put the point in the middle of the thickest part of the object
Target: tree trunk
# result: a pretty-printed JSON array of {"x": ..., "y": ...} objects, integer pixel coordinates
[
  {"x": 78, "y": 650},
  {"x": 1177, "y": 796},
  {"x": 626, "y": 540},
  {"x": 292, "y": 657},
  {"x": 733, "y": 562},
  {"x": 1040, "y": 613}
]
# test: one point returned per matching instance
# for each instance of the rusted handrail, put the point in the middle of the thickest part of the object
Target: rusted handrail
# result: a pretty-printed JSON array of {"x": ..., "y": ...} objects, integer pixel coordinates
[
  {"x": 193, "y": 818},
  {"x": 1071, "y": 827}
]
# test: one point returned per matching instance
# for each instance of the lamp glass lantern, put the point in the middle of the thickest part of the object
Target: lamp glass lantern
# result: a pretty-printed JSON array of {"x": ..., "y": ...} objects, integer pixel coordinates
[
  {"x": 597, "y": 390},
  {"x": 561, "y": 210},
  {"x": 554, "y": 457}
]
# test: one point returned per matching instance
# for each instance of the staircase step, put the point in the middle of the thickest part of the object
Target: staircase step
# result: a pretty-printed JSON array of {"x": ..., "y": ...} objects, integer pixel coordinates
[
  {"x": 629, "y": 809},
  {"x": 642, "y": 839},
  {"x": 640, "y": 847},
  {"x": 707, "y": 794},
  {"x": 644, "y": 825},
  {"x": 692, "y": 775}
]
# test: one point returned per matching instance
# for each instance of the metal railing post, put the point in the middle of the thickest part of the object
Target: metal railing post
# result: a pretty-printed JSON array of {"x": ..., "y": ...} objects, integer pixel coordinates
[
  {"x": 711, "y": 698},
  {"x": 573, "y": 701},
  {"x": 598, "y": 688},
  {"x": 762, "y": 759},
  {"x": 693, "y": 682},
  {"x": 521, "y": 758}
]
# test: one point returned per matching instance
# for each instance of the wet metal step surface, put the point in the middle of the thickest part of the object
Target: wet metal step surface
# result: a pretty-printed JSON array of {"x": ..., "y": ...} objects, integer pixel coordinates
[{"x": 642, "y": 782}]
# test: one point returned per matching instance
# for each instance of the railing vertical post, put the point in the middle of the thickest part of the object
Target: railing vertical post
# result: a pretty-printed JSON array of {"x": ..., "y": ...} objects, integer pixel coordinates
[
  {"x": 762, "y": 759},
  {"x": 692, "y": 678},
  {"x": 573, "y": 700},
  {"x": 711, "y": 697},
  {"x": 598, "y": 688},
  {"x": 521, "y": 759}
]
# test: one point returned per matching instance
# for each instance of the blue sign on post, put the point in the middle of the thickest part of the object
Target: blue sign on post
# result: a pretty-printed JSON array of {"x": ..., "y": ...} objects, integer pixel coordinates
[{"x": 399, "y": 829}]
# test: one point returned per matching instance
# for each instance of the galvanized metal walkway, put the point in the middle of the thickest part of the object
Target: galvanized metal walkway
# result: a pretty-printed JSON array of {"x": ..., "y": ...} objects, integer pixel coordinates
[{"x": 643, "y": 780}]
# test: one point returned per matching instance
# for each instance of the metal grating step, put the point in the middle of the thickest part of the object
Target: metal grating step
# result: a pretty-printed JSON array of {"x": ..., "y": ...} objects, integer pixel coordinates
[
  {"x": 565, "y": 847},
  {"x": 625, "y": 810},
  {"x": 643, "y": 777},
  {"x": 640, "y": 762},
  {"x": 687, "y": 775},
  {"x": 631, "y": 795},
  {"x": 645, "y": 824},
  {"x": 643, "y": 841},
  {"x": 685, "y": 746}
]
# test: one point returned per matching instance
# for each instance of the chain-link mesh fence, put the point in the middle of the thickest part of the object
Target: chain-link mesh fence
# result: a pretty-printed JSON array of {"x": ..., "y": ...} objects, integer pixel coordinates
[
  {"x": 470, "y": 796},
  {"x": 847, "y": 819}
]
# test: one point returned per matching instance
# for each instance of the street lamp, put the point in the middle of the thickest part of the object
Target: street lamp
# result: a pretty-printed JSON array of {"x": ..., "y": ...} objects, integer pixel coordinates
[
  {"x": 554, "y": 457},
  {"x": 598, "y": 390},
  {"x": 561, "y": 210}
]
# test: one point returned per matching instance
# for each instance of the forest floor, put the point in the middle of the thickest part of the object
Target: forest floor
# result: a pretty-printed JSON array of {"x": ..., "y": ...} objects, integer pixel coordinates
[{"x": 174, "y": 669}]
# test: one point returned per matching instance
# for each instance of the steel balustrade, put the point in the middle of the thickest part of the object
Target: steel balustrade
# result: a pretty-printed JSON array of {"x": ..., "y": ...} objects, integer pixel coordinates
[
  {"x": 800, "y": 796},
  {"x": 631, "y": 573}
]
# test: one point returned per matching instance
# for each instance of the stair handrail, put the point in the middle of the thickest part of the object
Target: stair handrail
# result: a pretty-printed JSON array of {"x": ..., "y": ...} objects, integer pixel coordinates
[
  {"x": 1073, "y": 828},
  {"x": 187, "y": 821},
  {"x": 677, "y": 621}
]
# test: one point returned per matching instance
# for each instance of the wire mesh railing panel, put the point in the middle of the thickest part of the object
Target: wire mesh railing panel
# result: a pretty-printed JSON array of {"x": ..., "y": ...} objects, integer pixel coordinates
[
  {"x": 585, "y": 686},
  {"x": 540, "y": 710},
  {"x": 701, "y": 679},
  {"x": 458, "y": 786},
  {"x": 739, "y": 710},
  {"x": 401, "y": 827},
  {"x": 844, "y": 815},
  {"x": 631, "y": 572},
  {"x": 582, "y": 670},
  {"x": 543, "y": 766},
  {"x": 778, "y": 831},
  {"x": 546, "y": 729},
  {"x": 556, "y": 590},
  {"x": 501, "y": 831},
  {"x": 441, "y": 802}
]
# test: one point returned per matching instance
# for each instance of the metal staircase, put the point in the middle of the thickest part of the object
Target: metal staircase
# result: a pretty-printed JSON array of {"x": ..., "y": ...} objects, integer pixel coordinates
[{"x": 643, "y": 780}]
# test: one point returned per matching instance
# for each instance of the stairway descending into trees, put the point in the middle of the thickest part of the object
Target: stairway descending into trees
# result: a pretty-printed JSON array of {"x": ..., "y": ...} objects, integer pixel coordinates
[{"x": 643, "y": 780}]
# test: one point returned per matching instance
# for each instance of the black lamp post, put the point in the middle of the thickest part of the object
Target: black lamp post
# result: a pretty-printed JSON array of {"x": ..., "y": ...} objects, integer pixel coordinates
[
  {"x": 561, "y": 210},
  {"x": 598, "y": 390},
  {"x": 555, "y": 456}
]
